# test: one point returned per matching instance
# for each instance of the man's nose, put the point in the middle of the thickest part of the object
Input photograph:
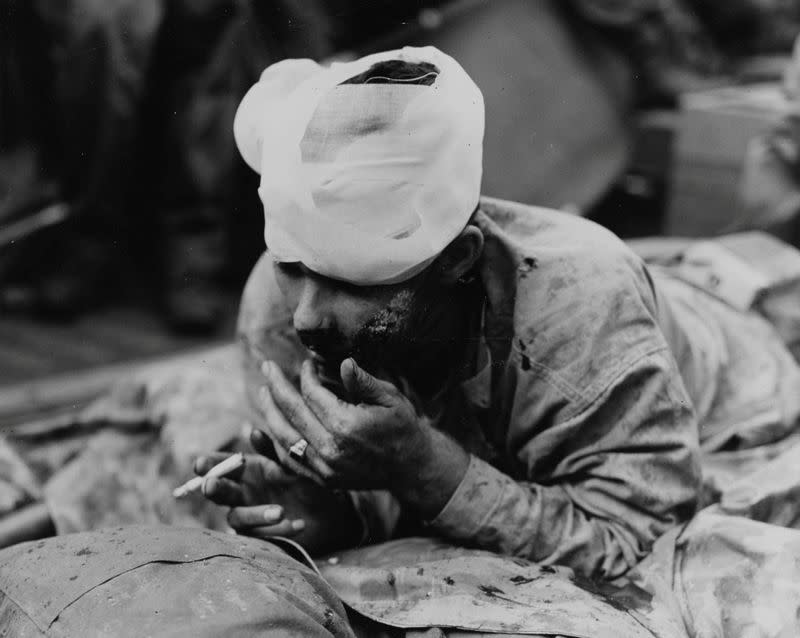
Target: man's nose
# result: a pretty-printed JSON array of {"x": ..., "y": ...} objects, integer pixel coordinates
[{"x": 312, "y": 313}]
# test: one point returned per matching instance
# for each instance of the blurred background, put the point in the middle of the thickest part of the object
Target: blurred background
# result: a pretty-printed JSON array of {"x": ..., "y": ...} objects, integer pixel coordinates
[{"x": 128, "y": 222}]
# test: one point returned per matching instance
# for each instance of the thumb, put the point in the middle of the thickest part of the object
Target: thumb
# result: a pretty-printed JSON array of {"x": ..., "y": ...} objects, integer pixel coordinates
[{"x": 365, "y": 388}]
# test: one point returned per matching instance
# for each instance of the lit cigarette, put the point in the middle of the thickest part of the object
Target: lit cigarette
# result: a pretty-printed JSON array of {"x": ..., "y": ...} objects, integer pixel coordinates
[{"x": 231, "y": 464}]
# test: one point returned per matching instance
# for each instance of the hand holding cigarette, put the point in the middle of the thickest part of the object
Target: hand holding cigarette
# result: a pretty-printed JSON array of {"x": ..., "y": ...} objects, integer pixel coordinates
[
  {"x": 224, "y": 467},
  {"x": 253, "y": 494},
  {"x": 267, "y": 500}
]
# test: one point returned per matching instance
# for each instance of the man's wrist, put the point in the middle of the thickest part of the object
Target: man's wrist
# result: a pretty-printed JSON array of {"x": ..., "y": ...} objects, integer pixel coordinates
[{"x": 435, "y": 477}]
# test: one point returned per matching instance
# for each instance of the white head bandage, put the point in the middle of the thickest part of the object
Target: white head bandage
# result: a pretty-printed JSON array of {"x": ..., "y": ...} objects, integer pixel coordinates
[{"x": 368, "y": 182}]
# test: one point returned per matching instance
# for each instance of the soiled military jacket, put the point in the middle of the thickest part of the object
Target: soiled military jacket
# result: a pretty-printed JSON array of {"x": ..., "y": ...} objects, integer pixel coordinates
[{"x": 598, "y": 382}]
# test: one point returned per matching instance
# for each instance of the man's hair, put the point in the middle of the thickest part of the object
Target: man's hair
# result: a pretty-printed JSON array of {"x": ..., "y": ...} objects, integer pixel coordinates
[{"x": 397, "y": 72}]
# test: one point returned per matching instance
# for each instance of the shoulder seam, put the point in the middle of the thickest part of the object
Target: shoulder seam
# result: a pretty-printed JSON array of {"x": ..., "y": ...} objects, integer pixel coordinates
[{"x": 580, "y": 399}]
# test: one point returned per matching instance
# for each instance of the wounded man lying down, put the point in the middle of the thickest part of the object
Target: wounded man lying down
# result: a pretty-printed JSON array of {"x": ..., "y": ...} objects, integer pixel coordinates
[{"x": 470, "y": 386}]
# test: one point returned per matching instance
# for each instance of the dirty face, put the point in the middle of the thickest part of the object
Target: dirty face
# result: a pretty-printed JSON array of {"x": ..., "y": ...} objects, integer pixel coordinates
[{"x": 382, "y": 327}]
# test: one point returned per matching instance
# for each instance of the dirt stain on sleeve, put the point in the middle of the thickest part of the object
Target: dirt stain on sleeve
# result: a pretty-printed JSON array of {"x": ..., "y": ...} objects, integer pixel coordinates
[
  {"x": 526, "y": 265},
  {"x": 490, "y": 590},
  {"x": 522, "y": 580}
]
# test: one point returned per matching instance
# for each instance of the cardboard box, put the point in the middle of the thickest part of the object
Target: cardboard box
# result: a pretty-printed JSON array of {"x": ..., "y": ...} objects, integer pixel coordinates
[{"x": 713, "y": 131}]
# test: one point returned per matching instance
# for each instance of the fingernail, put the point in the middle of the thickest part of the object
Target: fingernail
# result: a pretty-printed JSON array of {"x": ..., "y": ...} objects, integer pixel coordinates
[
  {"x": 298, "y": 525},
  {"x": 272, "y": 513},
  {"x": 247, "y": 430},
  {"x": 265, "y": 368}
]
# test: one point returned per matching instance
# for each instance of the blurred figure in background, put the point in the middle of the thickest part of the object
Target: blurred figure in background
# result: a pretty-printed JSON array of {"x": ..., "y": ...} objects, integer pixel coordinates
[
  {"x": 126, "y": 108},
  {"x": 76, "y": 115},
  {"x": 122, "y": 118},
  {"x": 210, "y": 52},
  {"x": 70, "y": 87}
]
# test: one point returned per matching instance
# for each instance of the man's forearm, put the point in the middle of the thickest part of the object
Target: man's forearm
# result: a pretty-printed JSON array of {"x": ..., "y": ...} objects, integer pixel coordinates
[{"x": 431, "y": 483}]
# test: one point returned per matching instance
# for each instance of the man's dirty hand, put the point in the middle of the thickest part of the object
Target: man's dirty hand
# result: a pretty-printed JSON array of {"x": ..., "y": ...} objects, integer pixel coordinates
[
  {"x": 375, "y": 440},
  {"x": 267, "y": 501}
]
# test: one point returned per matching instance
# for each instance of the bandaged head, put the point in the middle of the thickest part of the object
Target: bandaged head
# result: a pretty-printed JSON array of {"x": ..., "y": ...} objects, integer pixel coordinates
[{"x": 365, "y": 178}]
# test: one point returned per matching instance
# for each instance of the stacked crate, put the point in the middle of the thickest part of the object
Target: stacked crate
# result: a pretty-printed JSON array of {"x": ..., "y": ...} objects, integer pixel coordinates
[{"x": 713, "y": 132}]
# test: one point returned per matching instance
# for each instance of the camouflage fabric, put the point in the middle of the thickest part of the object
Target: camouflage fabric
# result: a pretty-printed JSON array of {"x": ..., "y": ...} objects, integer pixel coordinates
[
  {"x": 727, "y": 576},
  {"x": 117, "y": 462}
]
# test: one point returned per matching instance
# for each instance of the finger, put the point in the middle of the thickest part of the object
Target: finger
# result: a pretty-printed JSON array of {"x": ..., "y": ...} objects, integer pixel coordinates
[
  {"x": 284, "y": 528},
  {"x": 255, "y": 471},
  {"x": 293, "y": 407},
  {"x": 328, "y": 407},
  {"x": 202, "y": 464},
  {"x": 325, "y": 404},
  {"x": 262, "y": 472},
  {"x": 284, "y": 436},
  {"x": 279, "y": 430},
  {"x": 255, "y": 516},
  {"x": 263, "y": 444},
  {"x": 281, "y": 434},
  {"x": 365, "y": 388},
  {"x": 223, "y": 491}
]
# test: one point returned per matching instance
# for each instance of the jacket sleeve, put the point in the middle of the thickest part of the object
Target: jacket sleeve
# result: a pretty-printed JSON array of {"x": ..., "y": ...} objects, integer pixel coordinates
[{"x": 611, "y": 479}]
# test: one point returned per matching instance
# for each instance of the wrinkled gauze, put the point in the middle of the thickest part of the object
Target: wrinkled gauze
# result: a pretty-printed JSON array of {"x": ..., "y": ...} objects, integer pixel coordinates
[{"x": 364, "y": 182}]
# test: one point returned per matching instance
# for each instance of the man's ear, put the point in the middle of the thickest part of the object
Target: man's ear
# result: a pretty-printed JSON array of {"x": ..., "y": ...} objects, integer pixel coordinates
[{"x": 460, "y": 256}]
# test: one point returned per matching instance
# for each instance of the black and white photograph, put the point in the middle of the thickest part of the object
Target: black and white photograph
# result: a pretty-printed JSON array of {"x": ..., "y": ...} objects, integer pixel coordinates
[{"x": 400, "y": 318}]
